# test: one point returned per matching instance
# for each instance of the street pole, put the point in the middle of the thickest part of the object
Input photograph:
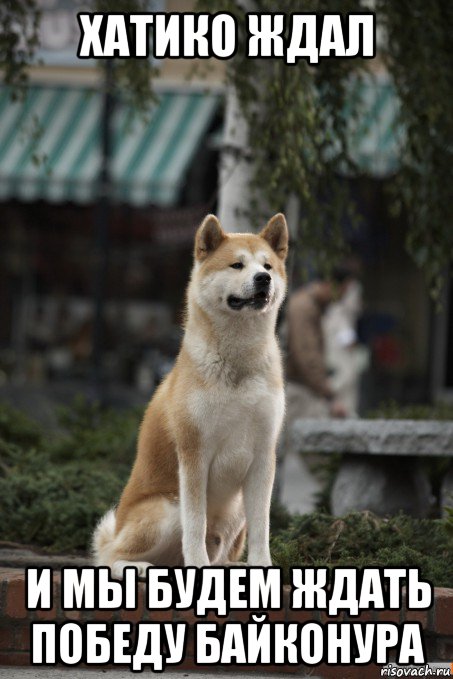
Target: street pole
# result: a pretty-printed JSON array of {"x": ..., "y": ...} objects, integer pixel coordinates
[{"x": 101, "y": 235}]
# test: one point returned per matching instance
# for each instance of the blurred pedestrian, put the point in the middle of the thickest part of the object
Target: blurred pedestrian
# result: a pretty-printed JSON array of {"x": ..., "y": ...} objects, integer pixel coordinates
[
  {"x": 309, "y": 391},
  {"x": 346, "y": 358}
]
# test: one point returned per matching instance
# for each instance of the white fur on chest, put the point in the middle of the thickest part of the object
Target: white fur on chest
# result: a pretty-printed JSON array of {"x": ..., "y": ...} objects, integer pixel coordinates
[
  {"x": 227, "y": 412},
  {"x": 235, "y": 424},
  {"x": 239, "y": 409}
]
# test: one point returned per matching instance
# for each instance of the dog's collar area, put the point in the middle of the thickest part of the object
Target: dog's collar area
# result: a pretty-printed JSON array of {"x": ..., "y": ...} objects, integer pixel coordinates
[{"x": 257, "y": 301}]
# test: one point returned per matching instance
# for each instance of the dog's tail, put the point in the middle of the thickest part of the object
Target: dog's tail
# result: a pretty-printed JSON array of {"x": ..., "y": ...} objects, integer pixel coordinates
[{"x": 103, "y": 537}]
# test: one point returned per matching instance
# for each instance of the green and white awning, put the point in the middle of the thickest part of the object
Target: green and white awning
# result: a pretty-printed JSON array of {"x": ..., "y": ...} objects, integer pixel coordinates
[
  {"x": 50, "y": 142},
  {"x": 375, "y": 135},
  {"x": 50, "y": 145}
]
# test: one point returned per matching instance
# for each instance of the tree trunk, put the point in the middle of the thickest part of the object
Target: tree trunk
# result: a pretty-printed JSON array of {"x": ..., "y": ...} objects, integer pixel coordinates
[{"x": 236, "y": 169}]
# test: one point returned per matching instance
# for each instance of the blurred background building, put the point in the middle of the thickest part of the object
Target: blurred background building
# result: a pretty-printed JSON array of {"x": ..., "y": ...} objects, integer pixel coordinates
[{"x": 94, "y": 266}]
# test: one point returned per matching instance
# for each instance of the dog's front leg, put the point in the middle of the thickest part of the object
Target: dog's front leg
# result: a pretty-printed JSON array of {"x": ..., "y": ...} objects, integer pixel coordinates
[
  {"x": 257, "y": 500},
  {"x": 193, "y": 490}
]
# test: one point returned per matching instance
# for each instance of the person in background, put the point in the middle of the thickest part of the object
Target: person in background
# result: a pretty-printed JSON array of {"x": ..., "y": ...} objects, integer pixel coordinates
[
  {"x": 309, "y": 393},
  {"x": 346, "y": 358},
  {"x": 309, "y": 390}
]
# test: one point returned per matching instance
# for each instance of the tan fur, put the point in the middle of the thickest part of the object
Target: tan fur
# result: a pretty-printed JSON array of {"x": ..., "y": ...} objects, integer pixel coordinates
[{"x": 206, "y": 449}]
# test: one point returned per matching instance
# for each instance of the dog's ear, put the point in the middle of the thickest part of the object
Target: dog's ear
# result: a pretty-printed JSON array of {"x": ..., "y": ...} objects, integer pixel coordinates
[
  {"x": 209, "y": 236},
  {"x": 276, "y": 234}
]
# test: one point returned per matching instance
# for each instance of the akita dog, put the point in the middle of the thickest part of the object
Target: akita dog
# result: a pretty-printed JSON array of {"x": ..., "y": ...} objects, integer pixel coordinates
[{"x": 205, "y": 462}]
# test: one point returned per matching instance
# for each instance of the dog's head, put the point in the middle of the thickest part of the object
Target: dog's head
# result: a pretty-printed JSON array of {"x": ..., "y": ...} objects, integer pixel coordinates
[{"x": 240, "y": 273}]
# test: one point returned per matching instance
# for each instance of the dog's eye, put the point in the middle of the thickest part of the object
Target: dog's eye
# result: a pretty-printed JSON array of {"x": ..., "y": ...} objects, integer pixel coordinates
[
  {"x": 237, "y": 265},
  {"x": 268, "y": 267}
]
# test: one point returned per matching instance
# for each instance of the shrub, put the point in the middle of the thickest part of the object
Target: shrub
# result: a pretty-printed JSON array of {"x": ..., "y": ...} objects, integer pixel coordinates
[
  {"x": 391, "y": 410},
  {"x": 362, "y": 539},
  {"x": 95, "y": 434},
  {"x": 18, "y": 428},
  {"x": 53, "y": 490}
]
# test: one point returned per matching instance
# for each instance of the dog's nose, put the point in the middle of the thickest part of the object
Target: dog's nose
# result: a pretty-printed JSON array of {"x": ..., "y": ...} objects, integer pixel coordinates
[{"x": 262, "y": 279}]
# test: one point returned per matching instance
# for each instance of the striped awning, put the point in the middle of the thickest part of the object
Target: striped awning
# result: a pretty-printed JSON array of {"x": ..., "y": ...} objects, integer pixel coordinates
[
  {"x": 375, "y": 136},
  {"x": 50, "y": 145}
]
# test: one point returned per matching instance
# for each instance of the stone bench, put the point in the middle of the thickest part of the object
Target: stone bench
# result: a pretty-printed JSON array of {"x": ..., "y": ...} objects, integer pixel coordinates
[{"x": 380, "y": 470}]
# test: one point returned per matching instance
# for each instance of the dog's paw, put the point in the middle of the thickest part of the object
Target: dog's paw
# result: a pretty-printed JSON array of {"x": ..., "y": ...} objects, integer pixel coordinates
[
  {"x": 119, "y": 566},
  {"x": 229, "y": 564}
]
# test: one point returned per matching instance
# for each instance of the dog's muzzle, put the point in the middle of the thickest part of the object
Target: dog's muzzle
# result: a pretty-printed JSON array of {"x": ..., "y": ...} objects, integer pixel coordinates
[{"x": 260, "y": 298}]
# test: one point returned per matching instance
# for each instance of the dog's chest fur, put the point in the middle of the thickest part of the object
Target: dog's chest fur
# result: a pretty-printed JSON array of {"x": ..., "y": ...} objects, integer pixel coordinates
[
  {"x": 237, "y": 412},
  {"x": 232, "y": 421}
]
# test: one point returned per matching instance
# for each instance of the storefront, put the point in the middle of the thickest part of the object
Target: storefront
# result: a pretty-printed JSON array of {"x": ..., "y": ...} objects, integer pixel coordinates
[{"x": 162, "y": 179}]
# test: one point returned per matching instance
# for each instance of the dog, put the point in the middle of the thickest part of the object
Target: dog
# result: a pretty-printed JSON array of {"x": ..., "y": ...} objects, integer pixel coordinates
[{"x": 205, "y": 463}]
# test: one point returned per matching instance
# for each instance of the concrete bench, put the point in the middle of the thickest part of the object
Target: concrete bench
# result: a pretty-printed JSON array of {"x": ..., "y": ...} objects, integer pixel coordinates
[{"x": 380, "y": 470}]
